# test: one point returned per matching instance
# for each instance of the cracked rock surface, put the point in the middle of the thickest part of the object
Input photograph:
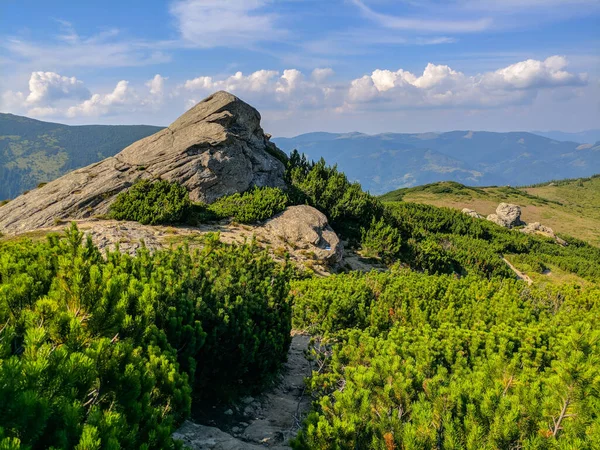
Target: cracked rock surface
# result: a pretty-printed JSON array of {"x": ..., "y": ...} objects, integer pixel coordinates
[{"x": 214, "y": 149}]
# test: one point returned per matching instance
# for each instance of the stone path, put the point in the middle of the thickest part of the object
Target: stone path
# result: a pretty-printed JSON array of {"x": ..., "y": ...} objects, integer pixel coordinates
[{"x": 268, "y": 421}]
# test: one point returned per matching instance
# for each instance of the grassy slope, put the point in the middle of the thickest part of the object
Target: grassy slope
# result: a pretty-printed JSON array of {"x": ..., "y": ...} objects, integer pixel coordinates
[{"x": 570, "y": 206}]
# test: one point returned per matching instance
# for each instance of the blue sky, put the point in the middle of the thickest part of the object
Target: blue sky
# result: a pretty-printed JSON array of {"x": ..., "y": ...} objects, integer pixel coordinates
[{"x": 308, "y": 65}]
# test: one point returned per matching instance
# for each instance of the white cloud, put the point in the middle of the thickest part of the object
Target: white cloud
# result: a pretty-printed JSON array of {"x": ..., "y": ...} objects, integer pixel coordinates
[
  {"x": 441, "y": 86},
  {"x": 534, "y": 74},
  {"x": 156, "y": 85},
  {"x": 320, "y": 75},
  {"x": 46, "y": 87},
  {"x": 424, "y": 24},
  {"x": 289, "y": 89},
  {"x": 103, "y": 104},
  {"x": 230, "y": 23}
]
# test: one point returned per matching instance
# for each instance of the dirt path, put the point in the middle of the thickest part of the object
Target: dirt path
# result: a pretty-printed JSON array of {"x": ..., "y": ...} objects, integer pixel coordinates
[
  {"x": 255, "y": 423},
  {"x": 520, "y": 275}
]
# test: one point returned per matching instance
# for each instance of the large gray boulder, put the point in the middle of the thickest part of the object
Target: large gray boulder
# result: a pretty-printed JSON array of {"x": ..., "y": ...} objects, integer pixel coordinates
[
  {"x": 507, "y": 215},
  {"x": 214, "y": 149},
  {"x": 305, "y": 228}
]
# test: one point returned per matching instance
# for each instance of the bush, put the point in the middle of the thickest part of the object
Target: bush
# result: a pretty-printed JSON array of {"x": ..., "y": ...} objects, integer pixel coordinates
[
  {"x": 154, "y": 203},
  {"x": 416, "y": 361},
  {"x": 345, "y": 204},
  {"x": 252, "y": 206},
  {"x": 103, "y": 352},
  {"x": 381, "y": 240}
]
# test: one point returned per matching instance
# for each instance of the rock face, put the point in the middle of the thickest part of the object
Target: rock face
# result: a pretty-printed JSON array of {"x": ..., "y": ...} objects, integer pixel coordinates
[
  {"x": 307, "y": 228},
  {"x": 507, "y": 215},
  {"x": 214, "y": 149},
  {"x": 472, "y": 213}
]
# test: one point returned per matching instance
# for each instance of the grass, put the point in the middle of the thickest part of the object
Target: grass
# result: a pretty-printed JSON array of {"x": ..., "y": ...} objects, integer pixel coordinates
[{"x": 570, "y": 207}]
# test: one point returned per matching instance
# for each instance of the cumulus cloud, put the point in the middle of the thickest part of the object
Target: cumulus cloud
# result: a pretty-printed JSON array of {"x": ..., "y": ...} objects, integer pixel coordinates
[
  {"x": 218, "y": 23},
  {"x": 438, "y": 86},
  {"x": 442, "y": 86},
  {"x": 156, "y": 85},
  {"x": 320, "y": 75},
  {"x": 102, "y": 104},
  {"x": 290, "y": 88},
  {"x": 534, "y": 74},
  {"x": 46, "y": 87}
]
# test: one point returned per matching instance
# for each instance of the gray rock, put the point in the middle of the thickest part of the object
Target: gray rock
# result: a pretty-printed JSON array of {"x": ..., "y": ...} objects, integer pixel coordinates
[
  {"x": 229, "y": 412},
  {"x": 307, "y": 228},
  {"x": 538, "y": 228},
  {"x": 214, "y": 149},
  {"x": 472, "y": 213},
  {"x": 507, "y": 215},
  {"x": 510, "y": 214},
  {"x": 201, "y": 437}
]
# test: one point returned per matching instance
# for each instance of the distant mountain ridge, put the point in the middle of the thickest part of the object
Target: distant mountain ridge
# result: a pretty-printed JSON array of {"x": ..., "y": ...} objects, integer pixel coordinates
[
  {"x": 388, "y": 161},
  {"x": 33, "y": 152},
  {"x": 583, "y": 137}
]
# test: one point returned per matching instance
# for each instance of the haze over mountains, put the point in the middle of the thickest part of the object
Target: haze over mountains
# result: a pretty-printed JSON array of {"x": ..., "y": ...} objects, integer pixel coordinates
[
  {"x": 388, "y": 161},
  {"x": 33, "y": 152}
]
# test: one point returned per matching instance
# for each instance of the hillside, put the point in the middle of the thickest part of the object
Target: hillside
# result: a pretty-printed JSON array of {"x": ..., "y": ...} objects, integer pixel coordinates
[
  {"x": 389, "y": 161},
  {"x": 569, "y": 206},
  {"x": 33, "y": 152}
]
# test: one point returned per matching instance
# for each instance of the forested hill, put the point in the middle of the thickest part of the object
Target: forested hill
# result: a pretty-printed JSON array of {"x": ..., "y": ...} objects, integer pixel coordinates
[
  {"x": 33, "y": 152},
  {"x": 390, "y": 161}
]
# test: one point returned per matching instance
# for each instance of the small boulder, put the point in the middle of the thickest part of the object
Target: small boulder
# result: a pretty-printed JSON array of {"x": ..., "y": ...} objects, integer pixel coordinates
[
  {"x": 472, "y": 213},
  {"x": 538, "y": 228}
]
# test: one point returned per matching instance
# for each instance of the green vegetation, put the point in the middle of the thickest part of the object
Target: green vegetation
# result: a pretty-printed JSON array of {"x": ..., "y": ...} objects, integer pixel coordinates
[
  {"x": 570, "y": 207},
  {"x": 152, "y": 203},
  {"x": 381, "y": 240},
  {"x": 252, "y": 206},
  {"x": 416, "y": 361},
  {"x": 347, "y": 206},
  {"x": 106, "y": 352}
]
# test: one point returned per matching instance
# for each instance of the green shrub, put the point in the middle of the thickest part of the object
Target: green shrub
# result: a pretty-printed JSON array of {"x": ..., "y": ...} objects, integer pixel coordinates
[
  {"x": 252, "y": 206},
  {"x": 346, "y": 205},
  {"x": 421, "y": 361},
  {"x": 381, "y": 240},
  {"x": 152, "y": 203},
  {"x": 103, "y": 352}
]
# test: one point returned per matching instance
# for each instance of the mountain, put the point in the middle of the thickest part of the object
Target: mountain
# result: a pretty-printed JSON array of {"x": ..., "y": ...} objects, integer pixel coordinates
[
  {"x": 216, "y": 148},
  {"x": 388, "y": 161},
  {"x": 34, "y": 152},
  {"x": 583, "y": 137}
]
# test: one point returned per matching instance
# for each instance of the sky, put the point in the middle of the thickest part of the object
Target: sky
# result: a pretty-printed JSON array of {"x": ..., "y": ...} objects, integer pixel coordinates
[{"x": 307, "y": 65}]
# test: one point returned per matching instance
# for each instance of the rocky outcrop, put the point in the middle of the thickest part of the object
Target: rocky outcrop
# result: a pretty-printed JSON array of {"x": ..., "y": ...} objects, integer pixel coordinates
[
  {"x": 507, "y": 215},
  {"x": 538, "y": 228},
  {"x": 472, "y": 213},
  {"x": 304, "y": 227},
  {"x": 214, "y": 149}
]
